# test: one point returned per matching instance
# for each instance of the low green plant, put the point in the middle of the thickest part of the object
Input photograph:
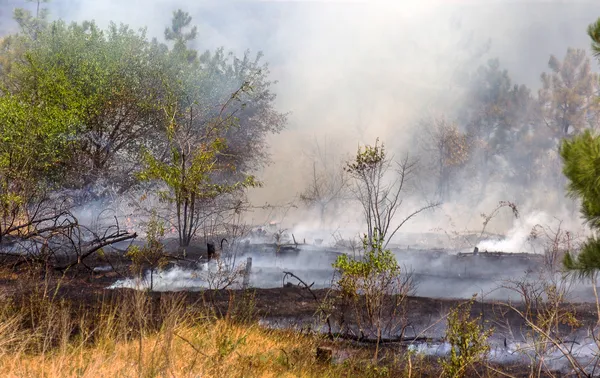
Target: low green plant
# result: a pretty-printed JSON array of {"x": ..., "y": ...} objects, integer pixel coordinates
[
  {"x": 468, "y": 341},
  {"x": 152, "y": 255},
  {"x": 372, "y": 289}
]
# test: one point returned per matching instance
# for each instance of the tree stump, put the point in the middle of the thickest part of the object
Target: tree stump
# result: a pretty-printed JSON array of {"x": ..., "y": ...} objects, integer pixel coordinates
[
  {"x": 210, "y": 250},
  {"x": 246, "y": 281}
]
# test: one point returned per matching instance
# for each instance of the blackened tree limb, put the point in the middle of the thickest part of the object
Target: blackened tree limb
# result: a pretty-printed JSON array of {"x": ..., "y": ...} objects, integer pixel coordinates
[{"x": 101, "y": 244}]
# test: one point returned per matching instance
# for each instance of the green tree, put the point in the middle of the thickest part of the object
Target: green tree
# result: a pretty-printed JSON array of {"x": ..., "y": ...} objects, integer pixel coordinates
[
  {"x": 13, "y": 47},
  {"x": 124, "y": 82},
  {"x": 581, "y": 159},
  {"x": 176, "y": 33},
  {"x": 151, "y": 256},
  {"x": 189, "y": 175},
  {"x": 581, "y": 166},
  {"x": 468, "y": 341},
  {"x": 114, "y": 99},
  {"x": 30, "y": 23},
  {"x": 36, "y": 140},
  {"x": 115, "y": 73}
]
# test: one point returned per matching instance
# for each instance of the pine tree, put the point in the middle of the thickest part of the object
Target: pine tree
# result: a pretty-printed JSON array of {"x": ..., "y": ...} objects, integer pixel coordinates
[{"x": 581, "y": 158}]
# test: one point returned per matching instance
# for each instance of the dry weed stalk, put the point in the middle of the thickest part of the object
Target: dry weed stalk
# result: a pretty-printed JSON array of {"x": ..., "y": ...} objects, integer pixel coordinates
[{"x": 549, "y": 321}]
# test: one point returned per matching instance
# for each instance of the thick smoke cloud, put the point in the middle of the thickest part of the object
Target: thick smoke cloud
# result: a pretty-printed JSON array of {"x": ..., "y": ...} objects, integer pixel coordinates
[{"x": 354, "y": 71}]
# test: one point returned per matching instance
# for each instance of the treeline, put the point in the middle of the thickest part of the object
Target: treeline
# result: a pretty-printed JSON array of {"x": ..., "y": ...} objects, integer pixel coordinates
[
  {"x": 503, "y": 134},
  {"x": 86, "y": 113},
  {"x": 485, "y": 138}
]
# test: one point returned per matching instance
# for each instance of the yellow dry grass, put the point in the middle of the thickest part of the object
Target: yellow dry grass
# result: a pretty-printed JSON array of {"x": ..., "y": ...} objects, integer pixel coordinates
[
  {"x": 215, "y": 349},
  {"x": 44, "y": 337}
]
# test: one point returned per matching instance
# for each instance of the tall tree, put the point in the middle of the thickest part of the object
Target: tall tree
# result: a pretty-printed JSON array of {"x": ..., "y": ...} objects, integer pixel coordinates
[
  {"x": 568, "y": 97},
  {"x": 498, "y": 115},
  {"x": 177, "y": 33},
  {"x": 581, "y": 156},
  {"x": 189, "y": 175},
  {"x": 32, "y": 23}
]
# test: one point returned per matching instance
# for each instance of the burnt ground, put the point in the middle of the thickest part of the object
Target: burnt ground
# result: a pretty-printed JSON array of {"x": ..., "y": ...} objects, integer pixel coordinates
[
  {"x": 282, "y": 307},
  {"x": 286, "y": 306},
  {"x": 295, "y": 304},
  {"x": 289, "y": 307}
]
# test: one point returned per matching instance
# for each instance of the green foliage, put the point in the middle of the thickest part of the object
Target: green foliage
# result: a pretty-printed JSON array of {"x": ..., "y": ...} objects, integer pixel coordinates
[
  {"x": 581, "y": 158},
  {"x": 594, "y": 34},
  {"x": 30, "y": 23},
  {"x": 587, "y": 261},
  {"x": 581, "y": 154},
  {"x": 122, "y": 83},
  {"x": 180, "y": 21},
  {"x": 468, "y": 341},
  {"x": 189, "y": 176},
  {"x": 36, "y": 132},
  {"x": 152, "y": 255},
  {"x": 110, "y": 79},
  {"x": 372, "y": 290},
  {"x": 367, "y": 160},
  {"x": 366, "y": 275},
  {"x": 81, "y": 106}
]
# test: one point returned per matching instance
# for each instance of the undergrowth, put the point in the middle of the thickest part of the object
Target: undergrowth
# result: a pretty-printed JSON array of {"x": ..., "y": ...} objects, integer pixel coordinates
[{"x": 129, "y": 333}]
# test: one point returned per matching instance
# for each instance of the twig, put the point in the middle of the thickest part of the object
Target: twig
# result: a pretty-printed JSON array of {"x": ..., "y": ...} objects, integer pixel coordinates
[
  {"x": 308, "y": 287},
  {"x": 190, "y": 344},
  {"x": 104, "y": 243}
]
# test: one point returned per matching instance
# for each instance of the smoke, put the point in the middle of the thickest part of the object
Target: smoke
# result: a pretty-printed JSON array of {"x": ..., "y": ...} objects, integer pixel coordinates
[
  {"x": 518, "y": 237},
  {"x": 353, "y": 71},
  {"x": 584, "y": 350}
]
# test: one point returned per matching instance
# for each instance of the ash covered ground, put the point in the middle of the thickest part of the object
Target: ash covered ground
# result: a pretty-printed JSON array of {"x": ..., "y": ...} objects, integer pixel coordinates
[{"x": 437, "y": 272}]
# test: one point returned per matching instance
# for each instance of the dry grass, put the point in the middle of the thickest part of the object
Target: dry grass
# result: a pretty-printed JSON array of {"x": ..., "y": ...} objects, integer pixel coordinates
[
  {"x": 134, "y": 334},
  {"x": 129, "y": 333},
  {"x": 215, "y": 349}
]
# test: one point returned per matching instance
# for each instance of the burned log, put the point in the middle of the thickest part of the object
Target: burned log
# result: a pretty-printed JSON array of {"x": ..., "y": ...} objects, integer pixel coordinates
[{"x": 55, "y": 239}]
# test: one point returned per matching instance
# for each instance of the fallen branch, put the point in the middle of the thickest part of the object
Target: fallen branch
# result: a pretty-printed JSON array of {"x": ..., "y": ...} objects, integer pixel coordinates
[
  {"x": 391, "y": 340},
  {"x": 308, "y": 287},
  {"x": 101, "y": 243}
]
